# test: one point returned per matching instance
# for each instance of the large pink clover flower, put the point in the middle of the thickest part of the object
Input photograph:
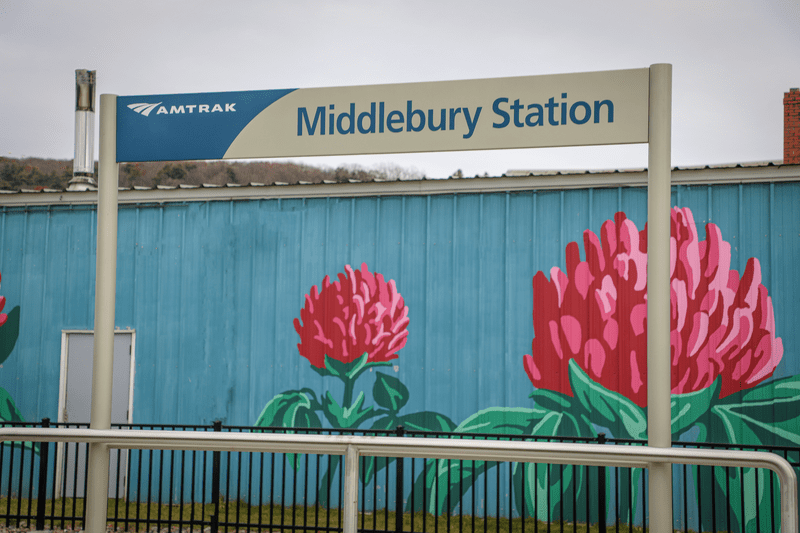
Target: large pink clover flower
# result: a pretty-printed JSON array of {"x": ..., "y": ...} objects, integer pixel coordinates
[{"x": 722, "y": 325}]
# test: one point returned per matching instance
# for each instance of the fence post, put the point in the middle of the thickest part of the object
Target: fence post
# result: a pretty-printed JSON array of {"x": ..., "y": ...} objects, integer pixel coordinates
[
  {"x": 42, "y": 494},
  {"x": 398, "y": 511},
  {"x": 215, "y": 475},
  {"x": 601, "y": 480}
]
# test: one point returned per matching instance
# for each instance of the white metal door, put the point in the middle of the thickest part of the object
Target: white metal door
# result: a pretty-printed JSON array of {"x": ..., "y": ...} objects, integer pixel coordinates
[{"x": 75, "y": 407}]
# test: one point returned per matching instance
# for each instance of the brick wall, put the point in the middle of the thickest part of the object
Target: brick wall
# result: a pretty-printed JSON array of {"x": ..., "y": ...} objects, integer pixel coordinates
[{"x": 791, "y": 127}]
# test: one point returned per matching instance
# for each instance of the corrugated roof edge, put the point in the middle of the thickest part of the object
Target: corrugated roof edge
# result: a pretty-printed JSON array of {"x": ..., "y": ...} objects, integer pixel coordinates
[
  {"x": 569, "y": 172},
  {"x": 552, "y": 179}
]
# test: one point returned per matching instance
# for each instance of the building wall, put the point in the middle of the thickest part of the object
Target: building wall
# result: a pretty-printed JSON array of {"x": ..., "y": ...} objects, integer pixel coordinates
[{"x": 212, "y": 289}]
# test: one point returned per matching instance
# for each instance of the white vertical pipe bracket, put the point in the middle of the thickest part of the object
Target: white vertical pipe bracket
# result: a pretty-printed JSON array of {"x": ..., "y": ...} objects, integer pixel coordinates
[
  {"x": 104, "y": 302},
  {"x": 659, "y": 369}
]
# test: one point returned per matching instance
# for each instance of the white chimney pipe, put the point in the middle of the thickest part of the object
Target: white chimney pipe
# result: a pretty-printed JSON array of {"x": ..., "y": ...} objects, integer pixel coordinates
[{"x": 83, "y": 165}]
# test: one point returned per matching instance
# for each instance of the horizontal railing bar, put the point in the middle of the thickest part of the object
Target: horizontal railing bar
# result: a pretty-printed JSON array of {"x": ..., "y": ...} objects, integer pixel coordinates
[
  {"x": 488, "y": 450},
  {"x": 483, "y": 450},
  {"x": 412, "y": 432}
]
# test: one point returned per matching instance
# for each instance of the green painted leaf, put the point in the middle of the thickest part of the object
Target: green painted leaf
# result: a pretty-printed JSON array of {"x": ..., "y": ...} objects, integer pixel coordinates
[
  {"x": 426, "y": 421},
  {"x": 503, "y": 420},
  {"x": 767, "y": 414},
  {"x": 547, "y": 490},
  {"x": 291, "y": 409},
  {"x": 629, "y": 502},
  {"x": 347, "y": 371},
  {"x": 294, "y": 408},
  {"x": 562, "y": 424},
  {"x": 8, "y": 409},
  {"x": 688, "y": 408},
  {"x": 607, "y": 408},
  {"x": 724, "y": 491},
  {"x": 10, "y": 413},
  {"x": 780, "y": 389},
  {"x": 9, "y": 333},
  {"x": 422, "y": 421},
  {"x": 389, "y": 392},
  {"x": 339, "y": 368},
  {"x": 552, "y": 401},
  {"x": 446, "y": 481},
  {"x": 325, "y": 488},
  {"x": 439, "y": 488},
  {"x": 346, "y": 417}
]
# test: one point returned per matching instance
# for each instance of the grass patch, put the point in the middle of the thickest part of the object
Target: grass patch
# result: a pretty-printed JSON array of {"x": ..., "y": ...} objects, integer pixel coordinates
[{"x": 66, "y": 513}]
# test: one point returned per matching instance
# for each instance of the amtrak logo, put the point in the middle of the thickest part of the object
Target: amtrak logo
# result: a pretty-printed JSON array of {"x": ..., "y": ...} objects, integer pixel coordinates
[{"x": 144, "y": 108}]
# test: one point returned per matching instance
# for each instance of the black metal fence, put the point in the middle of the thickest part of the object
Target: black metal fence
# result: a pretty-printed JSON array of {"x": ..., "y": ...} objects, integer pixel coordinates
[{"x": 42, "y": 487}]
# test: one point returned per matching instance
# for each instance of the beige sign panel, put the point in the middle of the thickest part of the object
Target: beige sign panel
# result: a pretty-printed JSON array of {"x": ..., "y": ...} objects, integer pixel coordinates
[{"x": 593, "y": 108}]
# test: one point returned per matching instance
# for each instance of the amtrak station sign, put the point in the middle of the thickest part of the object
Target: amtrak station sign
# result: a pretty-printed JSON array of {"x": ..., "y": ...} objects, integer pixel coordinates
[
  {"x": 594, "y": 108},
  {"x": 522, "y": 112}
]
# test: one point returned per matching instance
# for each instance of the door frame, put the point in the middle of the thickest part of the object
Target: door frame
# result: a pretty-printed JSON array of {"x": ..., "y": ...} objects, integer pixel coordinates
[{"x": 62, "y": 392}]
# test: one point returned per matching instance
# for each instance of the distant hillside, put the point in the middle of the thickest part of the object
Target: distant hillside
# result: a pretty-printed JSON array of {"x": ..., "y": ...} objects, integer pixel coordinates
[
  {"x": 16, "y": 174},
  {"x": 35, "y": 173}
]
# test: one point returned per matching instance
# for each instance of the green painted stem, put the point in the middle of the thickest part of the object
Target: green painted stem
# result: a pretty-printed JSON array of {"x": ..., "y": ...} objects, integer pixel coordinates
[{"x": 349, "y": 386}]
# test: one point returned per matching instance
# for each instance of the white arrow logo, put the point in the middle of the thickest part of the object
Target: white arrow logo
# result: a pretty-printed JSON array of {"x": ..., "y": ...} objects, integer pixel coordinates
[{"x": 143, "y": 108}]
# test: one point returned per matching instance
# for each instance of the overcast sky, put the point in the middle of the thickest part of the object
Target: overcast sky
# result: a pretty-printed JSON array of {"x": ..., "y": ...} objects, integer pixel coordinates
[{"x": 732, "y": 62}]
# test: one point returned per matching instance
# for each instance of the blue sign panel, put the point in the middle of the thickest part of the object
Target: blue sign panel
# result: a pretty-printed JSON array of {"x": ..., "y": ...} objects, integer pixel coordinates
[{"x": 177, "y": 127}]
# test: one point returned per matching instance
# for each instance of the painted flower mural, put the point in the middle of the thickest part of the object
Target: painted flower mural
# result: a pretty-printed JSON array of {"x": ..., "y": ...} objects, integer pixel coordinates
[
  {"x": 359, "y": 314},
  {"x": 351, "y": 325},
  {"x": 595, "y": 314}
]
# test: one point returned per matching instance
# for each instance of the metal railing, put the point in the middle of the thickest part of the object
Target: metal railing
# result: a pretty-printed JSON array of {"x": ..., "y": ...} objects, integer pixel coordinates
[{"x": 353, "y": 447}]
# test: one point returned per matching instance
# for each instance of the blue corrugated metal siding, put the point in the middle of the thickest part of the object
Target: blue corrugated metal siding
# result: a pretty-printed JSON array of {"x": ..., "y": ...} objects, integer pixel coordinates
[{"x": 212, "y": 288}]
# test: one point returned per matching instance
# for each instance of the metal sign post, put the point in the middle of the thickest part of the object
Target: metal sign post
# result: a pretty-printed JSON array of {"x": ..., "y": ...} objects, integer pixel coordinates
[
  {"x": 659, "y": 368},
  {"x": 104, "y": 306},
  {"x": 595, "y": 108}
]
